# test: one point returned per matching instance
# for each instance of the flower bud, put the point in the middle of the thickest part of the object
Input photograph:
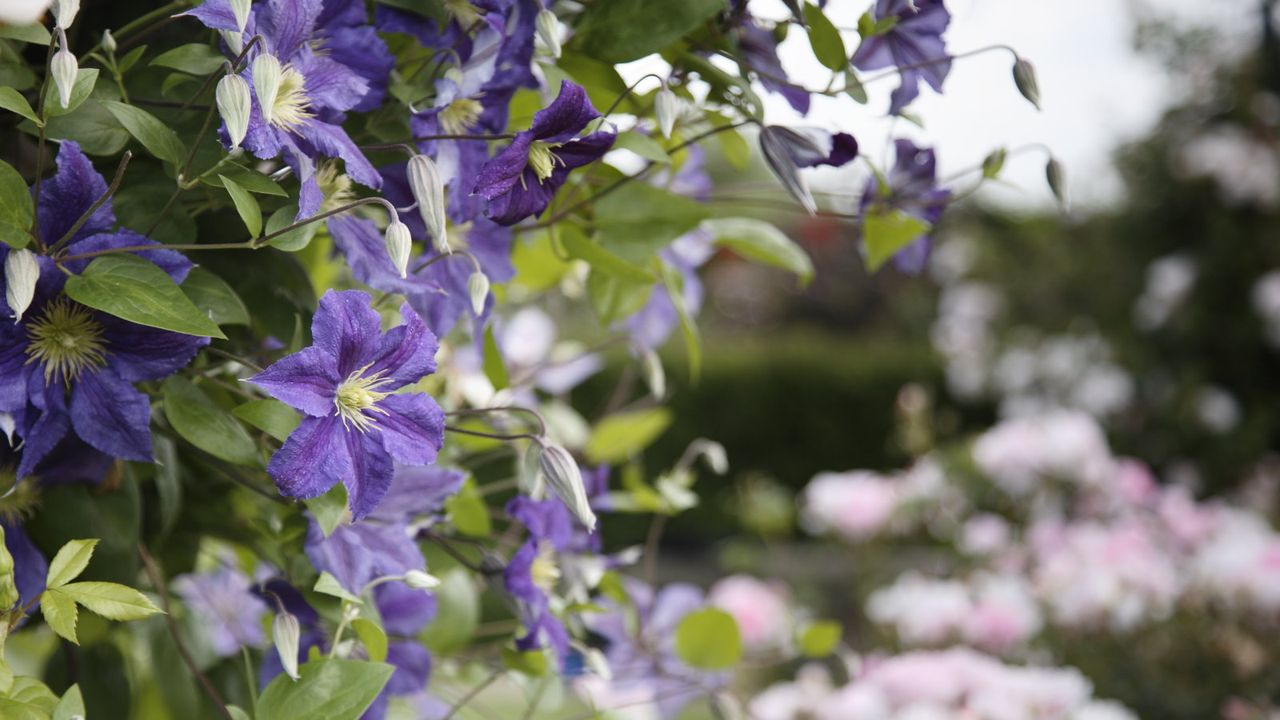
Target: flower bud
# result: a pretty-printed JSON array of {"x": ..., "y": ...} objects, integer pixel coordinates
[
  {"x": 779, "y": 147},
  {"x": 1024, "y": 76},
  {"x": 266, "y": 82},
  {"x": 21, "y": 271},
  {"x": 713, "y": 453},
  {"x": 428, "y": 192},
  {"x": 234, "y": 103},
  {"x": 478, "y": 286},
  {"x": 240, "y": 9},
  {"x": 399, "y": 243},
  {"x": 8, "y": 587},
  {"x": 666, "y": 106},
  {"x": 234, "y": 41},
  {"x": 548, "y": 32},
  {"x": 65, "y": 11},
  {"x": 7, "y": 426},
  {"x": 1053, "y": 173},
  {"x": 654, "y": 376},
  {"x": 64, "y": 68},
  {"x": 992, "y": 164},
  {"x": 109, "y": 42},
  {"x": 565, "y": 479},
  {"x": 530, "y": 479},
  {"x": 286, "y": 634},
  {"x": 420, "y": 580}
]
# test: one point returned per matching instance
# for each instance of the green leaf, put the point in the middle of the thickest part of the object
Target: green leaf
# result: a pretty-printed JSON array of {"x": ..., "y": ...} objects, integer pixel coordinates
[
  {"x": 16, "y": 211},
  {"x": 854, "y": 89},
  {"x": 215, "y": 297},
  {"x": 85, "y": 80},
  {"x": 134, "y": 289},
  {"x": 71, "y": 560},
  {"x": 70, "y": 706},
  {"x": 205, "y": 425},
  {"x": 270, "y": 416},
  {"x": 168, "y": 482},
  {"x": 642, "y": 145},
  {"x": 250, "y": 180},
  {"x": 295, "y": 239},
  {"x": 237, "y": 713},
  {"x": 619, "y": 31},
  {"x": 535, "y": 261},
  {"x": 621, "y": 435},
  {"x": 34, "y": 34},
  {"x": 578, "y": 245},
  {"x": 246, "y": 205},
  {"x": 155, "y": 136},
  {"x": 494, "y": 367},
  {"x": 884, "y": 234},
  {"x": 131, "y": 58},
  {"x": 688, "y": 328},
  {"x": 195, "y": 58},
  {"x": 111, "y": 600},
  {"x": 467, "y": 511},
  {"x": 735, "y": 148},
  {"x": 13, "y": 101},
  {"x": 458, "y": 614},
  {"x": 639, "y": 219},
  {"x": 372, "y": 637},
  {"x": 819, "y": 639},
  {"x": 614, "y": 297},
  {"x": 97, "y": 131},
  {"x": 825, "y": 39},
  {"x": 327, "y": 584},
  {"x": 993, "y": 163},
  {"x": 329, "y": 508},
  {"x": 529, "y": 662},
  {"x": 708, "y": 639},
  {"x": 331, "y": 688},
  {"x": 762, "y": 242},
  {"x": 60, "y": 613},
  {"x": 28, "y": 699}
]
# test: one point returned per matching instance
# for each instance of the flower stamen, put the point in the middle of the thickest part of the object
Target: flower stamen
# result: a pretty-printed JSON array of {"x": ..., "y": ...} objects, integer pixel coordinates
[
  {"x": 291, "y": 107},
  {"x": 67, "y": 340},
  {"x": 357, "y": 394},
  {"x": 460, "y": 116}
]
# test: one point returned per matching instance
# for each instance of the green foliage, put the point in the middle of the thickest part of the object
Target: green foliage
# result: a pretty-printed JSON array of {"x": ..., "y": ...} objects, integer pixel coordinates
[
  {"x": 820, "y": 638},
  {"x": 155, "y": 136},
  {"x": 202, "y": 423},
  {"x": 85, "y": 80},
  {"x": 61, "y": 596},
  {"x": 133, "y": 288},
  {"x": 625, "y": 30},
  {"x": 621, "y": 435},
  {"x": 708, "y": 639},
  {"x": 331, "y": 688},
  {"x": 467, "y": 511},
  {"x": 193, "y": 58},
  {"x": 528, "y": 662},
  {"x": 329, "y": 508},
  {"x": 885, "y": 233},
  {"x": 13, "y": 101},
  {"x": 16, "y": 209},
  {"x": 762, "y": 242},
  {"x": 825, "y": 39},
  {"x": 270, "y": 416},
  {"x": 245, "y": 204},
  {"x": 373, "y": 637},
  {"x": 215, "y": 297},
  {"x": 639, "y": 219}
]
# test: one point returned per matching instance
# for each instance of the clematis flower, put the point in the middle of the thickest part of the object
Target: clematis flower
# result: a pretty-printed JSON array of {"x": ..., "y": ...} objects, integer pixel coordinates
[
  {"x": 66, "y": 370},
  {"x": 913, "y": 45},
  {"x": 29, "y": 566},
  {"x": 760, "y": 51},
  {"x": 532, "y": 574},
  {"x": 230, "y": 614},
  {"x": 345, "y": 383},
  {"x": 913, "y": 189},
  {"x": 521, "y": 180}
]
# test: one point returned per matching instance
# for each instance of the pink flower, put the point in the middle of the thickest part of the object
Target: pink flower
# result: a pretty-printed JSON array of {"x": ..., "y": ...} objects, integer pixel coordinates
[
  {"x": 760, "y": 608},
  {"x": 857, "y": 504}
]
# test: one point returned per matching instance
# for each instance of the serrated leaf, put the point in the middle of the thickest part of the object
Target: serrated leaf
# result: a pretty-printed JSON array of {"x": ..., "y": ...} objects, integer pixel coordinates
[
  {"x": 327, "y": 584},
  {"x": 202, "y": 423},
  {"x": 762, "y": 242},
  {"x": 884, "y": 234},
  {"x": 642, "y": 145},
  {"x": 134, "y": 289},
  {"x": 373, "y": 638},
  {"x": 329, "y": 508},
  {"x": 621, "y": 435},
  {"x": 71, "y": 560},
  {"x": 86, "y": 78},
  {"x": 245, "y": 204},
  {"x": 111, "y": 600},
  {"x": 194, "y": 58},
  {"x": 270, "y": 416},
  {"x": 13, "y": 101},
  {"x": 332, "y": 688},
  {"x": 155, "y": 136},
  {"x": 27, "y": 699},
  {"x": 215, "y": 297},
  {"x": 708, "y": 639},
  {"x": 828, "y": 47},
  {"x": 60, "y": 613}
]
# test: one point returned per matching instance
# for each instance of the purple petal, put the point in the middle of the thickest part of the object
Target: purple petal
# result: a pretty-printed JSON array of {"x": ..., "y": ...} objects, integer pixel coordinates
[
  {"x": 13, "y": 367},
  {"x": 360, "y": 49},
  {"x": 69, "y": 193},
  {"x": 566, "y": 116},
  {"x": 138, "y": 353},
  {"x": 287, "y": 24},
  {"x": 46, "y": 423},
  {"x": 111, "y": 415},
  {"x": 407, "y": 352},
  {"x": 348, "y": 328},
  {"x": 29, "y": 566},
  {"x": 329, "y": 83},
  {"x": 172, "y": 262},
  {"x": 417, "y": 491},
  {"x": 367, "y": 473},
  {"x": 332, "y": 141},
  {"x": 405, "y": 610},
  {"x": 214, "y": 14},
  {"x": 361, "y": 243},
  {"x": 413, "y": 666},
  {"x": 412, "y": 431},
  {"x": 305, "y": 380},
  {"x": 503, "y": 172},
  {"x": 304, "y": 466}
]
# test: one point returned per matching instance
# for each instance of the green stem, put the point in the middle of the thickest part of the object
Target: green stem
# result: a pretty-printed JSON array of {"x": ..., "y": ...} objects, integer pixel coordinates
[{"x": 84, "y": 217}]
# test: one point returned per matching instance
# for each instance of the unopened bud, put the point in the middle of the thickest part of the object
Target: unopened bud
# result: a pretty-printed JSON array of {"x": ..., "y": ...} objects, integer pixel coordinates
[
  {"x": 1024, "y": 76},
  {"x": 713, "y": 453},
  {"x": 597, "y": 663},
  {"x": 421, "y": 580},
  {"x": 654, "y": 376},
  {"x": 8, "y": 586},
  {"x": 266, "y": 82},
  {"x": 779, "y": 145},
  {"x": 666, "y": 106},
  {"x": 548, "y": 32},
  {"x": 428, "y": 192},
  {"x": 234, "y": 104},
  {"x": 234, "y": 41},
  {"x": 994, "y": 163},
  {"x": 64, "y": 68},
  {"x": 65, "y": 11},
  {"x": 399, "y": 243},
  {"x": 240, "y": 9},
  {"x": 564, "y": 477},
  {"x": 7, "y": 426},
  {"x": 1054, "y": 174},
  {"x": 530, "y": 478},
  {"x": 478, "y": 286},
  {"x": 286, "y": 635},
  {"x": 21, "y": 271},
  {"x": 109, "y": 42}
]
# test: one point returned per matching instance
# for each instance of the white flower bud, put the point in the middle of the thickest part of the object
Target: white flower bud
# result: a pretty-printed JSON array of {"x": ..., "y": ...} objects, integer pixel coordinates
[
  {"x": 597, "y": 663},
  {"x": 22, "y": 12},
  {"x": 109, "y": 42},
  {"x": 240, "y": 9},
  {"x": 711, "y": 451},
  {"x": 530, "y": 478},
  {"x": 65, "y": 11},
  {"x": 428, "y": 192},
  {"x": 7, "y": 426},
  {"x": 654, "y": 376},
  {"x": 399, "y": 243},
  {"x": 478, "y": 286},
  {"x": 421, "y": 580},
  {"x": 266, "y": 82},
  {"x": 234, "y": 103},
  {"x": 64, "y": 68},
  {"x": 286, "y": 634},
  {"x": 548, "y": 32},
  {"x": 21, "y": 271},
  {"x": 666, "y": 106},
  {"x": 565, "y": 479},
  {"x": 234, "y": 41}
]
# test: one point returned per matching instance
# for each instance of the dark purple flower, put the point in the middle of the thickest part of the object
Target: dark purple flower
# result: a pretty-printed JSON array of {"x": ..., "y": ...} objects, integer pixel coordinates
[
  {"x": 521, "y": 180},
  {"x": 67, "y": 371},
  {"x": 912, "y": 189},
  {"x": 532, "y": 573},
  {"x": 29, "y": 566},
  {"x": 229, "y": 613},
  {"x": 914, "y": 45},
  {"x": 760, "y": 50},
  {"x": 356, "y": 423}
]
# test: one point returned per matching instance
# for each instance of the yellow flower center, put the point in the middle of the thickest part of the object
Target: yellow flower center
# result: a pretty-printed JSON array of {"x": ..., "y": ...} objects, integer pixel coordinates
[
  {"x": 543, "y": 569},
  {"x": 357, "y": 394},
  {"x": 460, "y": 115},
  {"x": 335, "y": 186},
  {"x": 291, "y": 107},
  {"x": 542, "y": 160},
  {"x": 462, "y": 11},
  {"x": 18, "y": 504},
  {"x": 66, "y": 339}
]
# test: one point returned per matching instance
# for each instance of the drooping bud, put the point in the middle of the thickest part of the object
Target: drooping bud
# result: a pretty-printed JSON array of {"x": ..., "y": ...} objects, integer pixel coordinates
[
  {"x": 286, "y": 634},
  {"x": 267, "y": 75},
  {"x": 234, "y": 104},
  {"x": 478, "y": 286},
  {"x": 21, "y": 271},
  {"x": 992, "y": 164},
  {"x": 7, "y": 426},
  {"x": 548, "y": 32},
  {"x": 713, "y": 453},
  {"x": 654, "y": 376},
  {"x": 778, "y": 146},
  {"x": 399, "y": 244},
  {"x": 8, "y": 587},
  {"x": 1024, "y": 76},
  {"x": 109, "y": 42},
  {"x": 530, "y": 478},
  {"x": 428, "y": 192},
  {"x": 234, "y": 41},
  {"x": 1054, "y": 174},
  {"x": 65, "y": 11},
  {"x": 240, "y": 9},
  {"x": 564, "y": 477},
  {"x": 65, "y": 68},
  {"x": 421, "y": 580},
  {"x": 665, "y": 107}
]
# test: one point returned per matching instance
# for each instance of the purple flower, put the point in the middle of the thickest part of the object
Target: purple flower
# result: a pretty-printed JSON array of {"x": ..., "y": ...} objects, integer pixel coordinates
[
  {"x": 532, "y": 573},
  {"x": 229, "y": 613},
  {"x": 29, "y": 566},
  {"x": 914, "y": 45},
  {"x": 345, "y": 383},
  {"x": 912, "y": 189},
  {"x": 521, "y": 180},
  {"x": 67, "y": 371},
  {"x": 760, "y": 50}
]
